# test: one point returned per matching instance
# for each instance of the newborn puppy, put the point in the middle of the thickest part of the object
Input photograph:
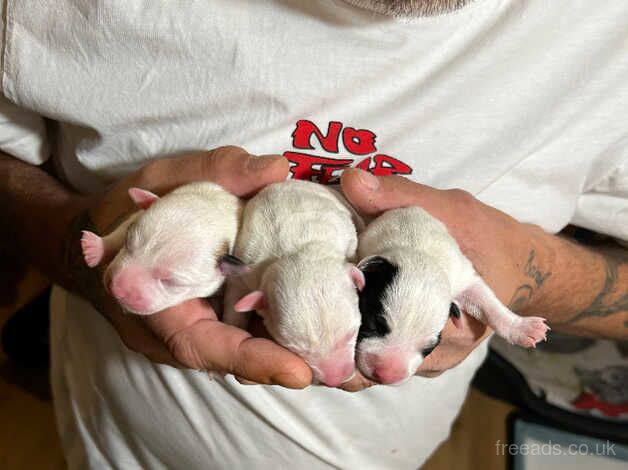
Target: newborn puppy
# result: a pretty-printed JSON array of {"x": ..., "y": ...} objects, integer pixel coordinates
[
  {"x": 416, "y": 278},
  {"x": 297, "y": 237},
  {"x": 175, "y": 249}
]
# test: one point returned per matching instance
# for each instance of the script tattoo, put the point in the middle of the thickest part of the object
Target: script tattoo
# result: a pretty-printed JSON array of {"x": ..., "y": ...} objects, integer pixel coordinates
[
  {"x": 532, "y": 271},
  {"x": 524, "y": 292}
]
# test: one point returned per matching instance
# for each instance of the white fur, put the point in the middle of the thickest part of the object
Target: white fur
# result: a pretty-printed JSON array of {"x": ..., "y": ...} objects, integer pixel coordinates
[
  {"x": 185, "y": 232},
  {"x": 432, "y": 274},
  {"x": 298, "y": 237}
]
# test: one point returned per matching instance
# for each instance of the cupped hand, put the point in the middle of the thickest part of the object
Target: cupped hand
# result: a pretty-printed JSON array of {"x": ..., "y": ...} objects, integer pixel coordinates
[
  {"x": 188, "y": 335},
  {"x": 497, "y": 245}
]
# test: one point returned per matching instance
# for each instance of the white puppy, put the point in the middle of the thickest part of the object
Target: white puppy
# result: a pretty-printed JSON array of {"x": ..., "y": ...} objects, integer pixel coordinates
[
  {"x": 298, "y": 237},
  {"x": 175, "y": 249},
  {"x": 416, "y": 278}
]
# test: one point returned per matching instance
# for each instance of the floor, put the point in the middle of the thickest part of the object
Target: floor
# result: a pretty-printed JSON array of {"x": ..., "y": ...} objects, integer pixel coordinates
[{"x": 28, "y": 438}]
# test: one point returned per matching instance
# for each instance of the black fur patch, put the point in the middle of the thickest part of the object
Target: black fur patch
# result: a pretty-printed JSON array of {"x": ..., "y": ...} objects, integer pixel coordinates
[{"x": 378, "y": 273}]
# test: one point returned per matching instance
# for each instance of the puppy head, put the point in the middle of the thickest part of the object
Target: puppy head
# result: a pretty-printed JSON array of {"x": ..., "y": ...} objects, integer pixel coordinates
[
  {"x": 404, "y": 308},
  {"x": 311, "y": 307},
  {"x": 171, "y": 254}
]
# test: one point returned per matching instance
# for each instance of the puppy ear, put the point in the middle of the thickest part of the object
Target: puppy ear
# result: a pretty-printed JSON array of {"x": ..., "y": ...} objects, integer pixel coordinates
[
  {"x": 230, "y": 265},
  {"x": 357, "y": 276},
  {"x": 374, "y": 264},
  {"x": 142, "y": 198},
  {"x": 454, "y": 314},
  {"x": 253, "y": 301}
]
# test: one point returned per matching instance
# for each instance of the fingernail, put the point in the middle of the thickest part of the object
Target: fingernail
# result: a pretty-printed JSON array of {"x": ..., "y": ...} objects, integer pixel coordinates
[
  {"x": 259, "y": 163},
  {"x": 368, "y": 181},
  {"x": 244, "y": 381}
]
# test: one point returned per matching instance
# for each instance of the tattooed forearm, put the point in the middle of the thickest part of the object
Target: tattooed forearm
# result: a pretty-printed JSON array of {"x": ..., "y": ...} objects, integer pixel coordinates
[
  {"x": 588, "y": 294},
  {"x": 580, "y": 286}
]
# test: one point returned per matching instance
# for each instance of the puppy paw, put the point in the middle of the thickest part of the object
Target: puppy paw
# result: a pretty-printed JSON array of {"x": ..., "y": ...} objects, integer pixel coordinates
[
  {"x": 528, "y": 331},
  {"x": 93, "y": 248}
]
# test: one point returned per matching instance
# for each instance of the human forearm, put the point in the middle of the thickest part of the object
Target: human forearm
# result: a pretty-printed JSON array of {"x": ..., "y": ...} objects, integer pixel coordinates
[
  {"x": 44, "y": 220},
  {"x": 36, "y": 210},
  {"x": 580, "y": 289}
]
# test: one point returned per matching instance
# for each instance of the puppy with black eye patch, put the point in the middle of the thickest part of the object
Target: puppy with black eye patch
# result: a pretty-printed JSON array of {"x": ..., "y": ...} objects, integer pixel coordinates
[
  {"x": 416, "y": 278},
  {"x": 173, "y": 249}
]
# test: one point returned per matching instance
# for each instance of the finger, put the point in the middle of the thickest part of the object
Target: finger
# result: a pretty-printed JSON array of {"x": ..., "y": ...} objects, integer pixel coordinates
[
  {"x": 429, "y": 374},
  {"x": 372, "y": 195},
  {"x": 137, "y": 337},
  {"x": 468, "y": 333},
  {"x": 245, "y": 382},
  {"x": 212, "y": 344},
  {"x": 241, "y": 173},
  {"x": 357, "y": 383},
  {"x": 456, "y": 345},
  {"x": 199, "y": 341},
  {"x": 233, "y": 168}
]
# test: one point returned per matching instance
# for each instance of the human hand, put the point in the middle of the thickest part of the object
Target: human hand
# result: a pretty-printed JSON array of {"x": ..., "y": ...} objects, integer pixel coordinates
[
  {"x": 496, "y": 243},
  {"x": 188, "y": 335}
]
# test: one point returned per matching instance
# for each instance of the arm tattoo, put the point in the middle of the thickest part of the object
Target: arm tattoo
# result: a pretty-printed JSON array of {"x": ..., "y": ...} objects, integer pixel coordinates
[
  {"x": 524, "y": 292},
  {"x": 607, "y": 302}
]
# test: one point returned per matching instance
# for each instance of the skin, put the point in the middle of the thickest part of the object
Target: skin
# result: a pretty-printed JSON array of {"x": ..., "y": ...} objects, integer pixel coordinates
[
  {"x": 411, "y": 8},
  {"x": 187, "y": 335},
  {"x": 580, "y": 290}
]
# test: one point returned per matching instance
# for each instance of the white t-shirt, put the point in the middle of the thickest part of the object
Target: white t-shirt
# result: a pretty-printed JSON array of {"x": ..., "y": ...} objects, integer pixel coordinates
[{"x": 524, "y": 104}]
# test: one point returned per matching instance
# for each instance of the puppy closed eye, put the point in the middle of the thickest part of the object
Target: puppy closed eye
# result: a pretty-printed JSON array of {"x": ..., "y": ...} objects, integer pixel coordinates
[{"x": 170, "y": 282}]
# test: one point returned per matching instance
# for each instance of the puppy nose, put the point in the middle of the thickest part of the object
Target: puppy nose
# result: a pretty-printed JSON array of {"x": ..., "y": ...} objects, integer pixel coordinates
[
  {"x": 129, "y": 288},
  {"x": 336, "y": 374},
  {"x": 389, "y": 368}
]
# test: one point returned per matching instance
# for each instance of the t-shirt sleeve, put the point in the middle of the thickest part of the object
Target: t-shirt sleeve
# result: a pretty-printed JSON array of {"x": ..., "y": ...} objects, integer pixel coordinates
[
  {"x": 603, "y": 207},
  {"x": 22, "y": 133}
]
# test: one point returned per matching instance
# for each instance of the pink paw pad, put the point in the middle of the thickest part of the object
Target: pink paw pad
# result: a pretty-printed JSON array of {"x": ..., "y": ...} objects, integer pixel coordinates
[
  {"x": 93, "y": 248},
  {"x": 530, "y": 331}
]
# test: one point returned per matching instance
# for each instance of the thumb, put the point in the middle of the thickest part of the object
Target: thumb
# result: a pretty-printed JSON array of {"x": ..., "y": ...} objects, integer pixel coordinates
[
  {"x": 241, "y": 173},
  {"x": 372, "y": 195},
  {"x": 198, "y": 340},
  {"x": 232, "y": 167}
]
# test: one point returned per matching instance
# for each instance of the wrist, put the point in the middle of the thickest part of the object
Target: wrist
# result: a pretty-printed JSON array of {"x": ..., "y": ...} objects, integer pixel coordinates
[
  {"x": 43, "y": 230},
  {"x": 74, "y": 218}
]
